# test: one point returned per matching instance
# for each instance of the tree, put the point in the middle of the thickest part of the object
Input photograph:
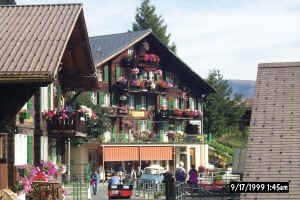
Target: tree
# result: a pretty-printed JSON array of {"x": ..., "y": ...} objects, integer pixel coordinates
[
  {"x": 222, "y": 111},
  {"x": 146, "y": 18}
]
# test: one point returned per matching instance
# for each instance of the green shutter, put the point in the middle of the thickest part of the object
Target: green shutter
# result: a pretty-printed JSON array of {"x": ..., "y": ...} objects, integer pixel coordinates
[
  {"x": 167, "y": 76},
  {"x": 118, "y": 72},
  {"x": 29, "y": 149},
  {"x": 182, "y": 126},
  {"x": 138, "y": 102},
  {"x": 149, "y": 102},
  {"x": 149, "y": 125},
  {"x": 170, "y": 104},
  {"x": 160, "y": 101},
  {"x": 101, "y": 100},
  {"x": 161, "y": 132},
  {"x": 29, "y": 104},
  {"x": 139, "y": 124},
  {"x": 59, "y": 97},
  {"x": 49, "y": 97},
  {"x": 114, "y": 99},
  {"x": 98, "y": 98},
  {"x": 182, "y": 104},
  {"x": 105, "y": 73},
  {"x": 176, "y": 81},
  {"x": 141, "y": 75},
  {"x": 199, "y": 106}
]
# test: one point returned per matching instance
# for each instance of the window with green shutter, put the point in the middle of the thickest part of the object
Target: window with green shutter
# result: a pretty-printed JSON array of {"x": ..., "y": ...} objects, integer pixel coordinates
[
  {"x": 140, "y": 124},
  {"x": 161, "y": 101},
  {"x": 105, "y": 73},
  {"x": 199, "y": 106},
  {"x": 182, "y": 126},
  {"x": 114, "y": 100},
  {"x": 29, "y": 104},
  {"x": 29, "y": 149},
  {"x": 138, "y": 102},
  {"x": 182, "y": 104},
  {"x": 118, "y": 72},
  {"x": 101, "y": 98},
  {"x": 59, "y": 97},
  {"x": 171, "y": 103},
  {"x": 161, "y": 132}
]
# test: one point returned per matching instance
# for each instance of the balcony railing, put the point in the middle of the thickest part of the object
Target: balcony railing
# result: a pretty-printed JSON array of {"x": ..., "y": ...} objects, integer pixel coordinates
[
  {"x": 74, "y": 123},
  {"x": 180, "y": 114},
  {"x": 156, "y": 138},
  {"x": 158, "y": 87}
]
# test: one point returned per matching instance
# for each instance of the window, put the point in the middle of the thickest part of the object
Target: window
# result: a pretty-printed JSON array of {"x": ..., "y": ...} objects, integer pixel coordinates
[
  {"x": 106, "y": 99},
  {"x": 143, "y": 125},
  {"x": 177, "y": 126},
  {"x": 3, "y": 146},
  {"x": 191, "y": 104},
  {"x": 105, "y": 73},
  {"x": 164, "y": 101},
  {"x": 94, "y": 98},
  {"x": 100, "y": 74},
  {"x": 151, "y": 76},
  {"x": 130, "y": 51},
  {"x": 131, "y": 102},
  {"x": 165, "y": 127},
  {"x": 143, "y": 102},
  {"x": 176, "y": 103}
]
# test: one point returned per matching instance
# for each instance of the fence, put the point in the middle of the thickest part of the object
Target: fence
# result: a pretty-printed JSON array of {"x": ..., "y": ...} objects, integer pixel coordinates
[{"x": 149, "y": 189}]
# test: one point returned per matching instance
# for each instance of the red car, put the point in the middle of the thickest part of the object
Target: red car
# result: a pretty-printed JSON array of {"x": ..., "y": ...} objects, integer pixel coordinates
[{"x": 119, "y": 191}]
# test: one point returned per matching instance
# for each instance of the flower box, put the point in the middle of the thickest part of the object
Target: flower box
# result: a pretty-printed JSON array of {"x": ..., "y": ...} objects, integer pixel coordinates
[
  {"x": 189, "y": 113},
  {"x": 177, "y": 112}
]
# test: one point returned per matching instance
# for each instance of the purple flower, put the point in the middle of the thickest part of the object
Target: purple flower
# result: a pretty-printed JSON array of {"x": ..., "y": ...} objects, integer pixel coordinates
[{"x": 135, "y": 70}]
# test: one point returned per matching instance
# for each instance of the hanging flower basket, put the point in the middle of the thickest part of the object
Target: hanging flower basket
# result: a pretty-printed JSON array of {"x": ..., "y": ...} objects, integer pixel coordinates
[{"x": 135, "y": 70}]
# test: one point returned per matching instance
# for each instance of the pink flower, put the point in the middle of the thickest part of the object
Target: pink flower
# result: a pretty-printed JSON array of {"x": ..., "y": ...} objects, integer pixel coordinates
[
  {"x": 158, "y": 72},
  {"x": 135, "y": 70}
]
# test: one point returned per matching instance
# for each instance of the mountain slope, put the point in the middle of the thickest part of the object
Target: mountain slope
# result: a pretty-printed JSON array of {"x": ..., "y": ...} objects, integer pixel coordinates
[{"x": 244, "y": 87}]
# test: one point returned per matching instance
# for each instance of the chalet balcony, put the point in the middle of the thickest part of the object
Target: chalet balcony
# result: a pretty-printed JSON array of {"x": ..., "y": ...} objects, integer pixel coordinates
[
  {"x": 153, "y": 138},
  {"x": 146, "y": 61},
  {"x": 181, "y": 114},
  {"x": 72, "y": 124}
]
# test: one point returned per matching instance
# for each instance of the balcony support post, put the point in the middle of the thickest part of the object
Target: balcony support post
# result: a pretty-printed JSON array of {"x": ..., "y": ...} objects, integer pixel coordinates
[{"x": 69, "y": 159}]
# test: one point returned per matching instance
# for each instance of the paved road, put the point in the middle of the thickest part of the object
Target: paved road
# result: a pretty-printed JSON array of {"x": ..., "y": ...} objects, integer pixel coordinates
[{"x": 102, "y": 195}]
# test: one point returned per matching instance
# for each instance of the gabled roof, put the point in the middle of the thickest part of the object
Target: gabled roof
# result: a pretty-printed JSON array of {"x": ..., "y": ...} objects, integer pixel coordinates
[
  {"x": 106, "y": 47},
  {"x": 33, "y": 39}
]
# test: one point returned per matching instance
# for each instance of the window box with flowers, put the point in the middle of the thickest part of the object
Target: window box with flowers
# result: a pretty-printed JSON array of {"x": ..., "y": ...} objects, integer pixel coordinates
[
  {"x": 177, "y": 112},
  {"x": 148, "y": 60},
  {"x": 189, "y": 113},
  {"x": 123, "y": 109}
]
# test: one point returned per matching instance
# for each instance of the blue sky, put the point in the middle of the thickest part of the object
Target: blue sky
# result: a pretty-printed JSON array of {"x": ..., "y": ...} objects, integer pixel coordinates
[{"x": 230, "y": 35}]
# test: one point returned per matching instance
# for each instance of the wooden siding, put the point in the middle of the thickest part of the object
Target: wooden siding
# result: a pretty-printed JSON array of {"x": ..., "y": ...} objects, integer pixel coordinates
[
  {"x": 3, "y": 175},
  {"x": 273, "y": 152}
]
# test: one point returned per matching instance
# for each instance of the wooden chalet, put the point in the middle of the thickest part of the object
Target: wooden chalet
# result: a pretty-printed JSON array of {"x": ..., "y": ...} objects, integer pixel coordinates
[
  {"x": 273, "y": 152},
  {"x": 45, "y": 52},
  {"x": 155, "y": 102}
]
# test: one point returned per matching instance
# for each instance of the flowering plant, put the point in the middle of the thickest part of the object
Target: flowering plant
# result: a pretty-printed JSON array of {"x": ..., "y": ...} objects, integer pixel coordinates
[
  {"x": 123, "y": 80},
  {"x": 47, "y": 115},
  {"x": 158, "y": 72},
  {"x": 151, "y": 58},
  {"x": 135, "y": 70},
  {"x": 137, "y": 83}
]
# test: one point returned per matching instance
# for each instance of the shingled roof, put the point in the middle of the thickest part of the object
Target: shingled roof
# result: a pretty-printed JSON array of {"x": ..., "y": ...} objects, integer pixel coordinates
[
  {"x": 273, "y": 152},
  {"x": 105, "y": 47},
  {"x": 33, "y": 39}
]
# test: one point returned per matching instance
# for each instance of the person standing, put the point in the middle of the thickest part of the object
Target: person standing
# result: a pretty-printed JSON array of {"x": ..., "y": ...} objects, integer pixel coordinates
[
  {"x": 95, "y": 181},
  {"x": 193, "y": 179},
  {"x": 180, "y": 173}
]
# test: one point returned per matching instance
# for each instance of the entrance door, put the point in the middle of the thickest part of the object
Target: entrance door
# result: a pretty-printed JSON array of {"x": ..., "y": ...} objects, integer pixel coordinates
[{"x": 192, "y": 156}]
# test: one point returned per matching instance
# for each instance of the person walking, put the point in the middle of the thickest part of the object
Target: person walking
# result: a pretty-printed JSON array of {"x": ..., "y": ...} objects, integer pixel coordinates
[
  {"x": 193, "y": 179},
  {"x": 180, "y": 173},
  {"x": 94, "y": 181}
]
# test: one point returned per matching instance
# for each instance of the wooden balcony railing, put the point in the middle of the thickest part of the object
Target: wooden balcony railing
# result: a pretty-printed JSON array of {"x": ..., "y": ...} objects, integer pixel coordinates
[{"x": 75, "y": 123}]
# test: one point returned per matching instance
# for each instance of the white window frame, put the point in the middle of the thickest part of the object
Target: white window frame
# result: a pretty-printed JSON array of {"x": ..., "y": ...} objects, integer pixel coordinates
[
  {"x": 143, "y": 102},
  {"x": 44, "y": 99},
  {"x": 131, "y": 102},
  {"x": 94, "y": 98},
  {"x": 151, "y": 76},
  {"x": 20, "y": 149},
  {"x": 130, "y": 51},
  {"x": 144, "y": 125},
  {"x": 44, "y": 148},
  {"x": 145, "y": 75},
  {"x": 106, "y": 99},
  {"x": 100, "y": 74},
  {"x": 164, "y": 101},
  {"x": 176, "y": 103}
]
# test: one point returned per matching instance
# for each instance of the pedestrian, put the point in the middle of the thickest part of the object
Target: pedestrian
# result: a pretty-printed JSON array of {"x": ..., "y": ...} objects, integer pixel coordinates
[
  {"x": 180, "y": 173},
  {"x": 114, "y": 180},
  {"x": 193, "y": 179},
  {"x": 132, "y": 173},
  {"x": 139, "y": 172},
  {"x": 94, "y": 181}
]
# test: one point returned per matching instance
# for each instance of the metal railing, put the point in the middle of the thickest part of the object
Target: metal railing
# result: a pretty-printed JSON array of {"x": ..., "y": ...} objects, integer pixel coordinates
[{"x": 149, "y": 189}]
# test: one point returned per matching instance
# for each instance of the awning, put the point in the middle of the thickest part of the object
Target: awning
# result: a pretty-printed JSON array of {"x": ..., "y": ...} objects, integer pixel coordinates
[
  {"x": 120, "y": 153},
  {"x": 156, "y": 153},
  {"x": 136, "y": 153}
]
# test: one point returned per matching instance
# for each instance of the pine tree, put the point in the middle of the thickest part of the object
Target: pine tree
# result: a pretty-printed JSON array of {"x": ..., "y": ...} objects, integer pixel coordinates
[
  {"x": 222, "y": 111},
  {"x": 146, "y": 18}
]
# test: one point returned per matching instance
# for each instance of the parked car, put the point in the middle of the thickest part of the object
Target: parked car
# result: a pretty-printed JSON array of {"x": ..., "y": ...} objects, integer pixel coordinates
[{"x": 153, "y": 172}]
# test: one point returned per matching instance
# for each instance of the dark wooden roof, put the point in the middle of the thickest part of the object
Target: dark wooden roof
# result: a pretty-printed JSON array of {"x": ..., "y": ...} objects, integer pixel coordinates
[
  {"x": 106, "y": 47},
  {"x": 33, "y": 40},
  {"x": 273, "y": 152}
]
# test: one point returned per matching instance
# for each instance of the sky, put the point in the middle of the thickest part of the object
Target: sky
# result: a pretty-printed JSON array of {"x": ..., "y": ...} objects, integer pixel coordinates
[{"x": 232, "y": 36}]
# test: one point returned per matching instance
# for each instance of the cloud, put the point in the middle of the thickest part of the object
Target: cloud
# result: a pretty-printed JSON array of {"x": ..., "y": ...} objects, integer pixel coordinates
[{"x": 233, "y": 36}]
